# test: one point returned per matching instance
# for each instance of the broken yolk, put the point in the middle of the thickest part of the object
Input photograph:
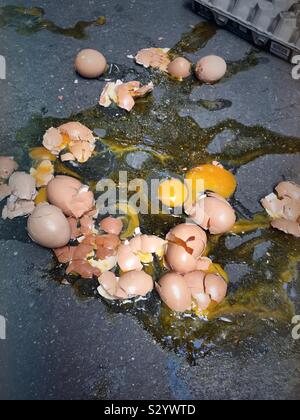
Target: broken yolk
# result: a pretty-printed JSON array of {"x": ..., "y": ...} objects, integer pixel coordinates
[
  {"x": 41, "y": 197},
  {"x": 40, "y": 153},
  {"x": 172, "y": 193},
  {"x": 43, "y": 173},
  {"x": 211, "y": 178}
]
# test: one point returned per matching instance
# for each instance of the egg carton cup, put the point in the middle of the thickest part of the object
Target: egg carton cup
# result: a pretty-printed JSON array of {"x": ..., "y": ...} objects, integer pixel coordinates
[{"x": 273, "y": 25}]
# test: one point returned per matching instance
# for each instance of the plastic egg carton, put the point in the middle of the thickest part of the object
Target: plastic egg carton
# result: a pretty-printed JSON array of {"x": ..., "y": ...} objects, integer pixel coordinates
[{"x": 271, "y": 24}]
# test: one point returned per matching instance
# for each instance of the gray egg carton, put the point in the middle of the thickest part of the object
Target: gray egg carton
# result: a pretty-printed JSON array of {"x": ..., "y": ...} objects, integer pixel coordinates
[{"x": 273, "y": 25}]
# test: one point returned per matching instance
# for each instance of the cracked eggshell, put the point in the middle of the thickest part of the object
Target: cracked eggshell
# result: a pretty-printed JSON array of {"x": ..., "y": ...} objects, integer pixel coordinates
[
  {"x": 180, "y": 68},
  {"x": 48, "y": 227},
  {"x": 211, "y": 69},
  {"x": 288, "y": 189},
  {"x": 109, "y": 283},
  {"x": 77, "y": 132},
  {"x": 186, "y": 245},
  {"x": 17, "y": 208},
  {"x": 53, "y": 141},
  {"x": 111, "y": 225},
  {"x": 134, "y": 283},
  {"x": 287, "y": 226},
  {"x": 174, "y": 292},
  {"x": 215, "y": 287},
  {"x": 23, "y": 186},
  {"x": 7, "y": 166},
  {"x": 147, "y": 244},
  {"x": 5, "y": 191},
  {"x": 212, "y": 212},
  {"x": 70, "y": 195},
  {"x": 90, "y": 63},
  {"x": 127, "y": 260}
]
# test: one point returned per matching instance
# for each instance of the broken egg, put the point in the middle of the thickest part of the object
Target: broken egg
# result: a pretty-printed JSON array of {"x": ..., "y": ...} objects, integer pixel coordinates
[
  {"x": 172, "y": 193},
  {"x": 211, "y": 69},
  {"x": 48, "y": 227},
  {"x": 210, "y": 177},
  {"x": 43, "y": 174},
  {"x": 90, "y": 63},
  {"x": 174, "y": 292},
  {"x": 128, "y": 286},
  {"x": 7, "y": 166},
  {"x": 157, "y": 58},
  {"x": 180, "y": 68},
  {"x": 70, "y": 195},
  {"x": 111, "y": 225},
  {"x": 186, "y": 244},
  {"x": 128, "y": 260},
  {"x": 212, "y": 212},
  {"x": 23, "y": 186},
  {"x": 284, "y": 208},
  {"x": 206, "y": 288},
  {"x": 123, "y": 94},
  {"x": 17, "y": 208},
  {"x": 75, "y": 138}
]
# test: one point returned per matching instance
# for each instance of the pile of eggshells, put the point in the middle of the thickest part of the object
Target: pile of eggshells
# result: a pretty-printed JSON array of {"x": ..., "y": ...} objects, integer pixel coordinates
[
  {"x": 67, "y": 221},
  {"x": 92, "y": 64},
  {"x": 63, "y": 215}
]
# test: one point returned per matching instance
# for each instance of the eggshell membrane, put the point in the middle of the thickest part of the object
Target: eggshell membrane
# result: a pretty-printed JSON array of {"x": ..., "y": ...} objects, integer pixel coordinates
[
  {"x": 180, "y": 68},
  {"x": 211, "y": 69},
  {"x": 70, "y": 195},
  {"x": 127, "y": 260},
  {"x": 135, "y": 283},
  {"x": 48, "y": 227},
  {"x": 174, "y": 292},
  {"x": 7, "y": 166},
  {"x": 210, "y": 177},
  {"x": 23, "y": 186},
  {"x": 90, "y": 63}
]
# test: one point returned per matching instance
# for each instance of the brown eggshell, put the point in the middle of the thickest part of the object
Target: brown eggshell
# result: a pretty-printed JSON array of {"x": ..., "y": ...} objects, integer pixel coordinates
[
  {"x": 288, "y": 189},
  {"x": 109, "y": 282},
  {"x": 135, "y": 283},
  {"x": 7, "y": 166},
  {"x": 23, "y": 186},
  {"x": 17, "y": 208},
  {"x": 53, "y": 141},
  {"x": 72, "y": 197},
  {"x": 287, "y": 226},
  {"x": 221, "y": 215},
  {"x": 111, "y": 225},
  {"x": 48, "y": 227},
  {"x": 174, "y": 292},
  {"x": 5, "y": 191},
  {"x": 147, "y": 244},
  {"x": 179, "y": 261},
  {"x": 187, "y": 231},
  {"x": 180, "y": 68},
  {"x": 77, "y": 132},
  {"x": 127, "y": 260},
  {"x": 215, "y": 287},
  {"x": 90, "y": 63},
  {"x": 210, "y": 69}
]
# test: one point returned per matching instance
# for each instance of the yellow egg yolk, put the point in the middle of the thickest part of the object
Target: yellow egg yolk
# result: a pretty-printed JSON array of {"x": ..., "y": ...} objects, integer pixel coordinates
[
  {"x": 172, "y": 193},
  {"x": 211, "y": 178}
]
